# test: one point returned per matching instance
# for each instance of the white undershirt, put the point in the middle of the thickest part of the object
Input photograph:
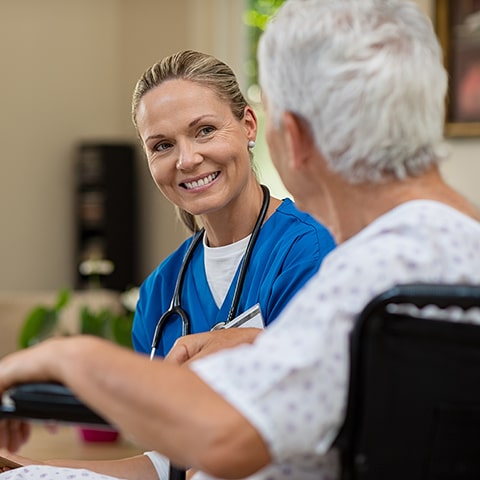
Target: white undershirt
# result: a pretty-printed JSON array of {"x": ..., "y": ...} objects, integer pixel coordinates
[{"x": 221, "y": 263}]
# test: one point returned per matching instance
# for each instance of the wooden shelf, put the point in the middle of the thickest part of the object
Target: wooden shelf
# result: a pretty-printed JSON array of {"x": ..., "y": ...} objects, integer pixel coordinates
[{"x": 105, "y": 217}]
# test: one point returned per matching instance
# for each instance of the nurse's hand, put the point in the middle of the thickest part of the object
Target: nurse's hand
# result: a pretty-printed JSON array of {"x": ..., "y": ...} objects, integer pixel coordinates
[{"x": 195, "y": 346}]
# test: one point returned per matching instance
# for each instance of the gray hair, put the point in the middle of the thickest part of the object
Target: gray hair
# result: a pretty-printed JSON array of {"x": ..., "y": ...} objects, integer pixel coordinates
[{"x": 367, "y": 77}]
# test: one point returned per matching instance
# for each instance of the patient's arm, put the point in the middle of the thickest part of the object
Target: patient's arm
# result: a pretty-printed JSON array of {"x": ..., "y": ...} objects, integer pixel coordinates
[
  {"x": 164, "y": 407},
  {"x": 192, "y": 347}
]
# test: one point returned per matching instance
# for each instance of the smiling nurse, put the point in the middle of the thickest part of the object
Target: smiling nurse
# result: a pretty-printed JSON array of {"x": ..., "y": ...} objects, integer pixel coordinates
[{"x": 198, "y": 131}]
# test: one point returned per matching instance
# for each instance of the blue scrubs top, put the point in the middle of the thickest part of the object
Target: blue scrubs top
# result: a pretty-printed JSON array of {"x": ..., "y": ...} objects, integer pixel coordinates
[{"x": 289, "y": 250}]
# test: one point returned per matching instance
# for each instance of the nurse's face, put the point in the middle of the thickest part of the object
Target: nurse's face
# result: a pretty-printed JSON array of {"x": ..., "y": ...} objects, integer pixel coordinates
[{"x": 197, "y": 150}]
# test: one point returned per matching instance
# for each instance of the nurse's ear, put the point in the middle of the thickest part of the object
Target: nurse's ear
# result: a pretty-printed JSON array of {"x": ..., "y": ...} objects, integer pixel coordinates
[{"x": 250, "y": 123}]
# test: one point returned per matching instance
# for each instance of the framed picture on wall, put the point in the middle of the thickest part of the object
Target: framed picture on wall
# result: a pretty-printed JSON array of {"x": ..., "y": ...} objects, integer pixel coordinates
[{"x": 458, "y": 28}]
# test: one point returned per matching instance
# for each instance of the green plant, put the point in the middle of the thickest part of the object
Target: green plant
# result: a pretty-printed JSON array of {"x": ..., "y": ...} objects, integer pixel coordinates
[
  {"x": 256, "y": 17},
  {"x": 107, "y": 324},
  {"x": 45, "y": 321}
]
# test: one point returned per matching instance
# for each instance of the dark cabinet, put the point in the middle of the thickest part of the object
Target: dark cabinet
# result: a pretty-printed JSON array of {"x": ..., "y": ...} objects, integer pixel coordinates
[{"x": 105, "y": 205}]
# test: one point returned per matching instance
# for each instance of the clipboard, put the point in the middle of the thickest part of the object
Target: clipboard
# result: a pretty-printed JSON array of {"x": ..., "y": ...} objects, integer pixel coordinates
[{"x": 47, "y": 401}]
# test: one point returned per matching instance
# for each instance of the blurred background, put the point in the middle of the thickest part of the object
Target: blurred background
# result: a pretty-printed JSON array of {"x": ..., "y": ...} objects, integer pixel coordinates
[{"x": 68, "y": 148}]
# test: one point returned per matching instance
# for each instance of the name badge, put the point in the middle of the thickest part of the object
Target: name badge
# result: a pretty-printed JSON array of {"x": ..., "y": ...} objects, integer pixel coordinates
[{"x": 251, "y": 318}]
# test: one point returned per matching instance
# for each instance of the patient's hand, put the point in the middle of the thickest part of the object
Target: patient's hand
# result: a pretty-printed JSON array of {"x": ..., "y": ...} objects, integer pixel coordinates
[
  {"x": 13, "y": 434},
  {"x": 192, "y": 347}
]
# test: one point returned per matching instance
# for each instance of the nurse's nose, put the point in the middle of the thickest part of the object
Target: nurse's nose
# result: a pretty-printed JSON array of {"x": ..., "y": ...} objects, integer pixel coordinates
[{"x": 188, "y": 157}]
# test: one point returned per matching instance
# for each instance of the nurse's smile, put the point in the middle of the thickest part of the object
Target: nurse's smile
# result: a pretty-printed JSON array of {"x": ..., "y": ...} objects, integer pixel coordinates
[{"x": 201, "y": 182}]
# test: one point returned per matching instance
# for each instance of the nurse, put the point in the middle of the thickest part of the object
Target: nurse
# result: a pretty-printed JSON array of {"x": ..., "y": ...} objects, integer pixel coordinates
[{"x": 198, "y": 132}]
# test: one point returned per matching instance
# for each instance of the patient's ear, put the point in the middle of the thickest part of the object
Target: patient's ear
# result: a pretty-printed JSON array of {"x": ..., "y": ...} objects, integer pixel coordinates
[{"x": 299, "y": 139}]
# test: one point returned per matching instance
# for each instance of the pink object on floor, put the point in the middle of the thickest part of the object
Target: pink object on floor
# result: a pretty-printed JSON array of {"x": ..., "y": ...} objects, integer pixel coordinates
[{"x": 98, "y": 435}]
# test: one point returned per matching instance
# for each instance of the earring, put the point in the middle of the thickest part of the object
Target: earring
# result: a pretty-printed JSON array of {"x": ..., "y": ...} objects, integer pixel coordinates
[{"x": 251, "y": 144}]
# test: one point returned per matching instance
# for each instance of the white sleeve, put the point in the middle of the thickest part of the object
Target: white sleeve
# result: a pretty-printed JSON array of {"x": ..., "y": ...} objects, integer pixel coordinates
[
  {"x": 161, "y": 464},
  {"x": 291, "y": 384}
]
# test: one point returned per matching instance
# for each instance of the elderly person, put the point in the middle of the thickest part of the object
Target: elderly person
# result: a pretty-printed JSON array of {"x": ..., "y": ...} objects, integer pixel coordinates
[{"x": 354, "y": 92}]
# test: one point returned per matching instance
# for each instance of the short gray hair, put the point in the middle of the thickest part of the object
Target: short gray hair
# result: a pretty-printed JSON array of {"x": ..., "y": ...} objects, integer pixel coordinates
[{"x": 368, "y": 78}]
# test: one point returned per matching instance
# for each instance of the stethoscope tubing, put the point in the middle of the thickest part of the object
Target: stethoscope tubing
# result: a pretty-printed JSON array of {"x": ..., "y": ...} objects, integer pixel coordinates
[
  {"x": 248, "y": 253},
  {"x": 175, "y": 308}
]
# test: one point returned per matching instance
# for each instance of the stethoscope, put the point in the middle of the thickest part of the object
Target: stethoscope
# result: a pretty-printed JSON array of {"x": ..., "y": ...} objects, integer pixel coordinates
[{"x": 175, "y": 309}]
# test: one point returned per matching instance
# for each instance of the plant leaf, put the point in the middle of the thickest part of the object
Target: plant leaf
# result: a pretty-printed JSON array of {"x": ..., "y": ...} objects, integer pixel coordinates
[
  {"x": 62, "y": 299},
  {"x": 122, "y": 329},
  {"x": 39, "y": 324},
  {"x": 94, "y": 323}
]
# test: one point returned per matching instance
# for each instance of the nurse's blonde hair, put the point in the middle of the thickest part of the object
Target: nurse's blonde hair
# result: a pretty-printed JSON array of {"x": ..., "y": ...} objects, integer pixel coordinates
[{"x": 196, "y": 67}]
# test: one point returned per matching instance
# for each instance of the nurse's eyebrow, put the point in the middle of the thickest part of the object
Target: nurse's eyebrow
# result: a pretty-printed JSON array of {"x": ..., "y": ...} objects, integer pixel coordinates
[
  {"x": 190, "y": 125},
  {"x": 156, "y": 137},
  {"x": 199, "y": 119}
]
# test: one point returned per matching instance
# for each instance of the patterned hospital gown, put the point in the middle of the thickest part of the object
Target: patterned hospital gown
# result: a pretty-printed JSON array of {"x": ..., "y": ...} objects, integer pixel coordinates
[
  {"x": 46, "y": 472},
  {"x": 292, "y": 383}
]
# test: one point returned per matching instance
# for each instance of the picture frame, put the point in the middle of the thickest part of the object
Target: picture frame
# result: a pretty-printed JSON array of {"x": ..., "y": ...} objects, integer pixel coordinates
[{"x": 457, "y": 24}]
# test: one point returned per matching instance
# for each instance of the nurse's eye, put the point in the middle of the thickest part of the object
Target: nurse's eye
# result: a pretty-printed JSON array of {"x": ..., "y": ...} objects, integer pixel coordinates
[
  {"x": 161, "y": 146},
  {"x": 205, "y": 131}
]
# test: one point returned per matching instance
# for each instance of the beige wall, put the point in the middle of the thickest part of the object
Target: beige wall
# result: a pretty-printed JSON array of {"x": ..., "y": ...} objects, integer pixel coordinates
[
  {"x": 67, "y": 72},
  {"x": 68, "y": 68},
  {"x": 58, "y": 84}
]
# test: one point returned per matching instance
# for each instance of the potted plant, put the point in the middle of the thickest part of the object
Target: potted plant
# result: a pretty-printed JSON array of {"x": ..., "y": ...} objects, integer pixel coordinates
[{"x": 45, "y": 321}]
